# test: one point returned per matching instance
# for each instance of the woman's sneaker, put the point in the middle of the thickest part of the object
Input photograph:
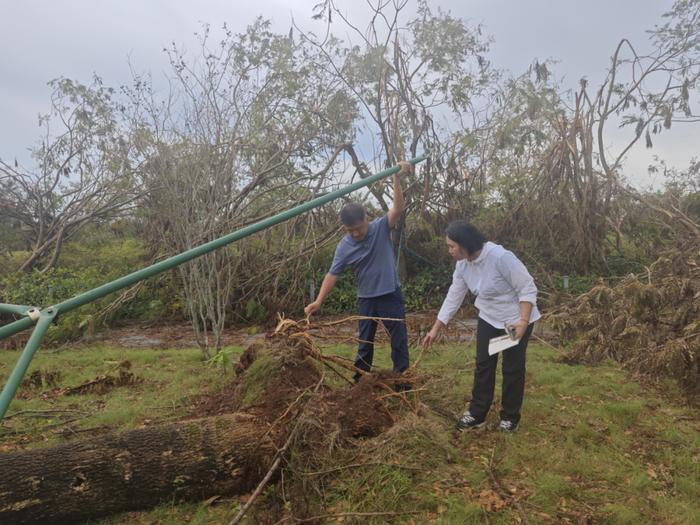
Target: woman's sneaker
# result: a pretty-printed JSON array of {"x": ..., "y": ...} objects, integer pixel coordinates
[
  {"x": 507, "y": 426},
  {"x": 469, "y": 422}
]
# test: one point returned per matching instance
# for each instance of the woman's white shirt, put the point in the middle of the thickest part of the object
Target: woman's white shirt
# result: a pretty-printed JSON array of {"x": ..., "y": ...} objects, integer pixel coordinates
[{"x": 500, "y": 283}]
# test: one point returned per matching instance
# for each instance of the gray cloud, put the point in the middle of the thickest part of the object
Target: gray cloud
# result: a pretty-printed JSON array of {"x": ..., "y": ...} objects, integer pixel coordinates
[{"x": 42, "y": 39}]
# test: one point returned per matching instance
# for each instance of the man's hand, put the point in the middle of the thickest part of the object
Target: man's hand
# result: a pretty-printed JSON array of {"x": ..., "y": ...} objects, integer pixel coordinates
[
  {"x": 326, "y": 286},
  {"x": 311, "y": 308},
  {"x": 406, "y": 168},
  {"x": 399, "y": 203}
]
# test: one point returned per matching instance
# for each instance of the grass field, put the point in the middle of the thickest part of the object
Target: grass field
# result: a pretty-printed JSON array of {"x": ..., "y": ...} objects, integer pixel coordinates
[{"x": 594, "y": 446}]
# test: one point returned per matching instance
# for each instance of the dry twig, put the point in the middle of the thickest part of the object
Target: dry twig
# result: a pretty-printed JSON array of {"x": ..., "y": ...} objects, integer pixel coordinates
[{"x": 275, "y": 463}]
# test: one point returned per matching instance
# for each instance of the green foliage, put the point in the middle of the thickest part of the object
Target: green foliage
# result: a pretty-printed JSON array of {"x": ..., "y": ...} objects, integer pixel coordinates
[
  {"x": 424, "y": 290},
  {"x": 94, "y": 260},
  {"x": 427, "y": 288},
  {"x": 37, "y": 288},
  {"x": 44, "y": 289},
  {"x": 254, "y": 311},
  {"x": 223, "y": 358},
  {"x": 343, "y": 298},
  {"x": 108, "y": 254}
]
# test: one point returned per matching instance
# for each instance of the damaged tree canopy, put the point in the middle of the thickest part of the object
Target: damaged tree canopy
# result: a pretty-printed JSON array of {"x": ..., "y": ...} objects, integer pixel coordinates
[{"x": 225, "y": 448}]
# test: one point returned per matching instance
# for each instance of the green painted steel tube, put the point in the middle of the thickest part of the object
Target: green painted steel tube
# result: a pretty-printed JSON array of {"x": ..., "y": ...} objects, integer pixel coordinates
[
  {"x": 8, "y": 391},
  {"x": 176, "y": 260},
  {"x": 18, "y": 326},
  {"x": 159, "y": 267},
  {"x": 17, "y": 309}
]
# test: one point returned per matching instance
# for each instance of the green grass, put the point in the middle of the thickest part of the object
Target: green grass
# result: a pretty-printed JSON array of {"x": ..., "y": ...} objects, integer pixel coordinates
[
  {"x": 170, "y": 381},
  {"x": 256, "y": 378},
  {"x": 593, "y": 443}
]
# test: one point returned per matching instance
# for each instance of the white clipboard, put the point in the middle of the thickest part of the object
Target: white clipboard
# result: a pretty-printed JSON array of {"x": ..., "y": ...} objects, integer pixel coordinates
[{"x": 498, "y": 344}]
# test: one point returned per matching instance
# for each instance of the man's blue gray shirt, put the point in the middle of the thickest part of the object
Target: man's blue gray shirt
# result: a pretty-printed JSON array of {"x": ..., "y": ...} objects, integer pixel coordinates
[{"x": 372, "y": 260}]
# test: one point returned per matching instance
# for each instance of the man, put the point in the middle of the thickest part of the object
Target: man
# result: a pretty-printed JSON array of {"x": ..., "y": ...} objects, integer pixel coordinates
[{"x": 367, "y": 248}]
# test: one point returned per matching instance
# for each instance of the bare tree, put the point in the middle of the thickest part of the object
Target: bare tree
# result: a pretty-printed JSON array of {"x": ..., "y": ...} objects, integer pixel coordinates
[
  {"x": 244, "y": 134},
  {"x": 546, "y": 156},
  {"x": 659, "y": 92},
  {"x": 407, "y": 76},
  {"x": 82, "y": 174}
]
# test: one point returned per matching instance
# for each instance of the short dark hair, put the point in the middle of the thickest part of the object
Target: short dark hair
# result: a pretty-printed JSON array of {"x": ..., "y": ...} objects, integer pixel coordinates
[
  {"x": 352, "y": 213},
  {"x": 466, "y": 235}
]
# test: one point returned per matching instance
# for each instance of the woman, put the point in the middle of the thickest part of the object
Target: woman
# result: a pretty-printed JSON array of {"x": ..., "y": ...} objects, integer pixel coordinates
[{"x": 505, "y": 297}]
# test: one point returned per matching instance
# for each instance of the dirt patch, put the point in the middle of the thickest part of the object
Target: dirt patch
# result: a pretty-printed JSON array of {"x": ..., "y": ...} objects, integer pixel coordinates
[
  {"x": 42, "y": 379},
  {"x": 101, "y": 384},
  {"x": 279, "y": 384},
  {"x": 358, "y": 412},
  {"x": 246, "y": 359},
  {"x": 268, "y": 378},
  {"x": 224, "y": 401},
  {"x": 271, "y": 377},
  {"x": 45, "y": 383}
]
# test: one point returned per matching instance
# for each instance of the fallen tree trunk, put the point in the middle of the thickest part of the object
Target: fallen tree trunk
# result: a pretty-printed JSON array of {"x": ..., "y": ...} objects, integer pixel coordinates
[
  {"x": 228, "y": 450},
  {"x": 189, "y": 460}
]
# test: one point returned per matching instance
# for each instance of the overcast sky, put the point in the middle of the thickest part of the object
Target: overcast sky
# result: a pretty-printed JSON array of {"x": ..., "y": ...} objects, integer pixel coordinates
[{"x": 45, "y": 39}]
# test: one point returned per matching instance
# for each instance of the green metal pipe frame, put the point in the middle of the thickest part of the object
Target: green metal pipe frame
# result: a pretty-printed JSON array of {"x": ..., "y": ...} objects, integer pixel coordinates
[
  {"x": 16, "y": 309},
  {"x": 44, "y": 317}
]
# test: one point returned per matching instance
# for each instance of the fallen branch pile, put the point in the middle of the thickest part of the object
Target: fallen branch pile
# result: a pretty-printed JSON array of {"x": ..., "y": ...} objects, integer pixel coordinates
[{"x": 650, "y": 323}]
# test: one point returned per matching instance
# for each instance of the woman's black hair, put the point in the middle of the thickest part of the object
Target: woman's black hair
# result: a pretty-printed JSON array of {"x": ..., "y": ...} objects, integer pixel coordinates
[{"x": 466, "y": 235}]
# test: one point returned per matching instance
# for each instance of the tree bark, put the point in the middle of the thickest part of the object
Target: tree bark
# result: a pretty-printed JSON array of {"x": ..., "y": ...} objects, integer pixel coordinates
[{"x": 190, "y": 460}]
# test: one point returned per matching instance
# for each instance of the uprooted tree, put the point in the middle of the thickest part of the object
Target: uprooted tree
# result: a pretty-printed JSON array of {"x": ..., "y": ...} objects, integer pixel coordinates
[
  {"x": 226, "y": 447},
  {"x": 532, "y": 166}
]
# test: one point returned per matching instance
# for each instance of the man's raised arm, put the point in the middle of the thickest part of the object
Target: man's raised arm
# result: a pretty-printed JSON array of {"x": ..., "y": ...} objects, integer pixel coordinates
[{"x": 399, "y": 203}]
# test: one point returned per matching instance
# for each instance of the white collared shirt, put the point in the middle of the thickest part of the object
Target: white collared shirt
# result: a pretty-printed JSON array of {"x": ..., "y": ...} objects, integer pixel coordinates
[{"x": 500, "y": 282}]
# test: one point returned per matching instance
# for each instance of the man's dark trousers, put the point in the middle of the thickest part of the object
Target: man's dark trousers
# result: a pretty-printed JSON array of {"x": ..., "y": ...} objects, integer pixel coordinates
[{"x": 390, "y": 305}]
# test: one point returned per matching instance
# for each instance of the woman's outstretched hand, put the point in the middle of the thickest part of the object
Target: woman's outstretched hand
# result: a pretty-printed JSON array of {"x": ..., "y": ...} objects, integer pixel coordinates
[{"x": 430, "y": 337}]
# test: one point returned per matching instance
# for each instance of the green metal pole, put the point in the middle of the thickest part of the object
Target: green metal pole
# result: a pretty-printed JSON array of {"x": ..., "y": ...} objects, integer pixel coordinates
[
  {"x": 18, "y": 326},
  {"x": 176, "y": 260},
  {"x": 17, "y": 309},
  {"x": 172, "y": 262},
  {"x": 8, "y": 392}
]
